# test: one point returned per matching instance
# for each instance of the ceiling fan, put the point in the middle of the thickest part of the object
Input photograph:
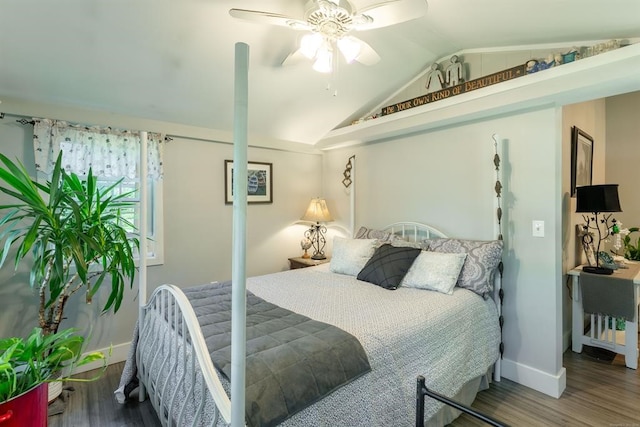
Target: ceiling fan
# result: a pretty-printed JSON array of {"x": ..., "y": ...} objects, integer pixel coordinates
[{"x": 330, "y": 23}]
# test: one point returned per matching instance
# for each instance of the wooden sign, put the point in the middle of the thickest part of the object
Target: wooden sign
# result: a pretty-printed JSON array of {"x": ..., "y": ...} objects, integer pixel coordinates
[{"x": 479, "y": 83}]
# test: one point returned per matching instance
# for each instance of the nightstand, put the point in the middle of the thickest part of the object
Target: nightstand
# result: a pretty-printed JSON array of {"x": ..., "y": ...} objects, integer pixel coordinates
[
  {"x": 299, "y": 262},
  {"x": 600, "y": 333}
]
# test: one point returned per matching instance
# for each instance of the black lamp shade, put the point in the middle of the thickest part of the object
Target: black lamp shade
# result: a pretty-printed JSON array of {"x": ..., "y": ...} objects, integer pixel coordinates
[{"x": 598, "y": 198}]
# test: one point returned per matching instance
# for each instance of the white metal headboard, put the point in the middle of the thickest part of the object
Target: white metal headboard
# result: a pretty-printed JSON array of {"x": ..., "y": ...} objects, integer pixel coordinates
[{"x": 413, "y": 231}]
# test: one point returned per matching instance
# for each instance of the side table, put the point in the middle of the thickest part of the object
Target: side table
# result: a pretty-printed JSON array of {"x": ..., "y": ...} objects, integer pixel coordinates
[
  {"x": 602, "y": 331},
  {"x": 299, "y": 262}
]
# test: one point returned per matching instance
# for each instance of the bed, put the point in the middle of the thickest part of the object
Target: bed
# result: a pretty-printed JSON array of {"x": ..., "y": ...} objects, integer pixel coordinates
[{"x": 452, "y": 340}]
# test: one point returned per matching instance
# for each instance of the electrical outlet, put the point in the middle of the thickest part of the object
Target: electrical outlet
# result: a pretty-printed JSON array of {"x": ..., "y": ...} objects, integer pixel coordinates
[{"x": 537, "y": 228}]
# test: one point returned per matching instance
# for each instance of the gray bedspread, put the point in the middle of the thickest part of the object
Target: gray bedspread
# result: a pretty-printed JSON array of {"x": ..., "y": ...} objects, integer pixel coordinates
[
  {"x": 292, "y": 360},
  {"x": 449, "y": 339}
]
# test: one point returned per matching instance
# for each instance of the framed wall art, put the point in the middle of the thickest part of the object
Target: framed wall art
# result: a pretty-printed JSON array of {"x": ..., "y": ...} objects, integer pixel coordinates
[
  {"x": 259, "y": 182},
  {"x": 581, "y": 159}
]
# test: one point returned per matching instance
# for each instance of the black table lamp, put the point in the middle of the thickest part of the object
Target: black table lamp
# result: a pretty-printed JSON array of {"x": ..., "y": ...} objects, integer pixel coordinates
[{"x": 597, "y": 199}]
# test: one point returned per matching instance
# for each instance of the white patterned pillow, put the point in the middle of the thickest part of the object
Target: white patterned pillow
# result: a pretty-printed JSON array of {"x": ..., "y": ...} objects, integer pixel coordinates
[
  {"x": 435, "y": 271},
  {"x": 480, "y": 265},
  {"x": 382, "y": 236},
  {"x": 350, "y": 255}
]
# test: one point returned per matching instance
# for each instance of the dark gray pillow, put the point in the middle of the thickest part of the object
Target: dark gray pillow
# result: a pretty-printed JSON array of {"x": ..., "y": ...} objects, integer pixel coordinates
[{"x": 388, "y": 266}]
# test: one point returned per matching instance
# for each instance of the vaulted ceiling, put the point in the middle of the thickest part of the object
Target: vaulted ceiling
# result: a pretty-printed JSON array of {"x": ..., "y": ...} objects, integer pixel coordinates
[{"x": 173, "y": 60}]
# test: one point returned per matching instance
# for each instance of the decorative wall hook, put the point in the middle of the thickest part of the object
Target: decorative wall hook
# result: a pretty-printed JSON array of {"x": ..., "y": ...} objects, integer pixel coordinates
[{"x": 347, "y": 181}]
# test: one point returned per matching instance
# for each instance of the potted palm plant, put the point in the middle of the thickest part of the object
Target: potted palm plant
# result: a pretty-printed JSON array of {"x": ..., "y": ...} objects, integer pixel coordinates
[
  {"x": 26, "y": 367},
  {"x": 73, "y": 235}
]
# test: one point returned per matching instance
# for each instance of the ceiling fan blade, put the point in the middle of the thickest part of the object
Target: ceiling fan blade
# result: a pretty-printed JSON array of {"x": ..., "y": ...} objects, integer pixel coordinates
[
  {"x": 376, "y": 5},
  {"x": 368, "y": 56},
  {"x": 295, "y": 58},
  {"x": 269, "y": 18},
  {"x": 389, "y": 12}
]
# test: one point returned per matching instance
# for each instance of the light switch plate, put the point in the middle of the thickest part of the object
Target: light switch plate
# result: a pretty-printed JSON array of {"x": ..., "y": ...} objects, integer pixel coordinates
[{"x": 537, "y": 228}]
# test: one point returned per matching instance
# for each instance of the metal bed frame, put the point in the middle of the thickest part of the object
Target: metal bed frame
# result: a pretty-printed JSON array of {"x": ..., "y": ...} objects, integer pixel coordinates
[
  {"x": 174, "y": 363},
  {"x": 423, "y": 391}
]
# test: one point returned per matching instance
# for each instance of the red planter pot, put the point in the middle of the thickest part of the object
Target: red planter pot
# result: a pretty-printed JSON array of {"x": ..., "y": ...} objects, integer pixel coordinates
[{"x": 26, "y": 410}]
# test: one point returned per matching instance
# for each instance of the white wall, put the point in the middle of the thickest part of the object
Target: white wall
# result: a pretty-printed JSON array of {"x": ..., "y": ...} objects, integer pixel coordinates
[
  {"x": 623, "y": 154},
  {"x": 589, "y": 117},
  {"x": 197, "y": 227},
  {"x": 446, "y": 178}
]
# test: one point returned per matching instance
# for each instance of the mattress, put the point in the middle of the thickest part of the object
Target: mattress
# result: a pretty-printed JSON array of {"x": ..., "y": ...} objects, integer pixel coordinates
[{"x": 449, "y": 339}]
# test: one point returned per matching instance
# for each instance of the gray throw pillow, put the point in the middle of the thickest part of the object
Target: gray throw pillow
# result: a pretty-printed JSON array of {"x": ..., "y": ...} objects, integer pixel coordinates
[
  {"x": 480, "y": 265},
  {"x": 388, "y": 266},
  {"x": 370, "y": 233}
]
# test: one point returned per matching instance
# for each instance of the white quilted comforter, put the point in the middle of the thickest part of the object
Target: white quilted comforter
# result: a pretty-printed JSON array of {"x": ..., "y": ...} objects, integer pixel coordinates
[{"x": 449, "y": 339}]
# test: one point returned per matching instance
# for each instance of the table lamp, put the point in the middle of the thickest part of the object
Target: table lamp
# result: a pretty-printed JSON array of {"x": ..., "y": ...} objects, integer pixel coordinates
[
  {"x": 597, "y": 199},
  {"x": 317, "y": 212}
]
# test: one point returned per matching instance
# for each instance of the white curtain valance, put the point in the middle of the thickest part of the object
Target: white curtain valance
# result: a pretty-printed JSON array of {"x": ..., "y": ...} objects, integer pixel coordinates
[{"x": 109, "y": 152}]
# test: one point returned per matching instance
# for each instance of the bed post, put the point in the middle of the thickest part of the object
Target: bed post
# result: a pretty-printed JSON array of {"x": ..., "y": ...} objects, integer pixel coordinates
[
  {"x": 498, "y": 291},
  {"x": 142, "y": 249},
  {"x": 239, "y": 273},
  {"x": 352, "y": 196}
]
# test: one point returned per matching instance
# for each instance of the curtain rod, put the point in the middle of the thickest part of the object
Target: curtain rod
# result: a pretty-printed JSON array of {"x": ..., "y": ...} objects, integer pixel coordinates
[{"x": 23, "y": 121}]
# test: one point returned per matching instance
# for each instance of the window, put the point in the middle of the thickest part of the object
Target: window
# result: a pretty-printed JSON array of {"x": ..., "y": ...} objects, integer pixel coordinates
[
  {"x": 111, "y": 154},
  {"x": 155, "y": 242}
]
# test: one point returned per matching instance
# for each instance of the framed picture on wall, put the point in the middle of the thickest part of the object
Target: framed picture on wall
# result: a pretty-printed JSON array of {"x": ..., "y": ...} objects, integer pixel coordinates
[
  {"x": 259, "y": 182},
  {"x": 581, "y": 159}
]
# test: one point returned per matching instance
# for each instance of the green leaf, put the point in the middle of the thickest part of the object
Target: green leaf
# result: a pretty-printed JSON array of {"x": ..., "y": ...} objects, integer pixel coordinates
[{"x": 67, "y": 225}]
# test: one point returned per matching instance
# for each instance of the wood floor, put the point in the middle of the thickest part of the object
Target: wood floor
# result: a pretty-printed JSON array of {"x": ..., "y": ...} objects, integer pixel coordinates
[{"x": 600, "y": 392}]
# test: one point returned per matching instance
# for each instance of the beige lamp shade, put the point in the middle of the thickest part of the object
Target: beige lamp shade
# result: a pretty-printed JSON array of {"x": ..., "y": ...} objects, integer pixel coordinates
[{"x": 317, "y": 211}]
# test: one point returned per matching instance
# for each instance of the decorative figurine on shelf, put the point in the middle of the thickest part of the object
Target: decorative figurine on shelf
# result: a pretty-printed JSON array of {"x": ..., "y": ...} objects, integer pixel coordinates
[
  {"x": 532, "y": 66},
  {"x": 435, "y": 80},
  {"x": 453, "y": 72},
  {"x": 572, "y": 55},
  {"x": 548, "y": 63},
  {"x": 305, "y": 244}
]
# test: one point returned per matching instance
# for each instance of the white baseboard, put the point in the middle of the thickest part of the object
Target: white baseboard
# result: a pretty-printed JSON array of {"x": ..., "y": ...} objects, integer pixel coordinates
[
  {"x": 551, "y": 385},
  {"x": 119, "y": 353}
]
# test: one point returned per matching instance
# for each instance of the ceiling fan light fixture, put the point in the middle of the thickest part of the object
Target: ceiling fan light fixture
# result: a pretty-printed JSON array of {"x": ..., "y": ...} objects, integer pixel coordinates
[
  {"x": 324, "y": 60},
  {"x": 350, "y": 48},
  {"x": 309, "y": 44},
  {"x": 330, "y": 22}
]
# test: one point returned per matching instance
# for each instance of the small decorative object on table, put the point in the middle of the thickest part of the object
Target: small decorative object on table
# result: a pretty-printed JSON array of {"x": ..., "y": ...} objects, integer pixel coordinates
[
  {"x": 305, "y": 244},
  {"x": 607, "y": 261},
  {"x": 597, "y": 199}
]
